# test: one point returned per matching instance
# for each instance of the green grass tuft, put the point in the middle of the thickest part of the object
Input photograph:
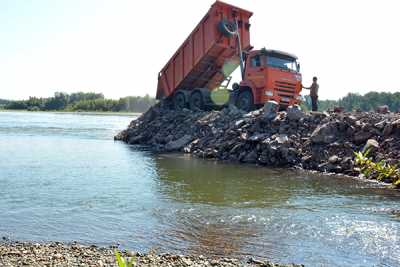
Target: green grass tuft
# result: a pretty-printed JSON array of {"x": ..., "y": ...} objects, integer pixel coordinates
[
  {"x": 122, "y": 262},
  {"x": 381, "y": 171}
]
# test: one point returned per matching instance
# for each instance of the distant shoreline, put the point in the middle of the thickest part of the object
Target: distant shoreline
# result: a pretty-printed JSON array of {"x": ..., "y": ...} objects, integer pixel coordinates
[{"x": 117, "y": 113}]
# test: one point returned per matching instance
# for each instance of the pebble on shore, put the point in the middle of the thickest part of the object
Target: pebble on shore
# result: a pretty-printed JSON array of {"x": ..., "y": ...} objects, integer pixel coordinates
[{"x": 58, "y": 254}]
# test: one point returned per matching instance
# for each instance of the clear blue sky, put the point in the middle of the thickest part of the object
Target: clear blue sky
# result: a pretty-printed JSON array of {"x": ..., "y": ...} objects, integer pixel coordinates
[
  {"x": 117, "y": 47},
  {"x": 27, "y": 25}
]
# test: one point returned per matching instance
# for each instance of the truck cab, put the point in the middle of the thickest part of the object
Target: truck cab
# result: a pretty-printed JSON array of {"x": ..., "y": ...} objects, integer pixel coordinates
[{"x": 269, "y": 75}]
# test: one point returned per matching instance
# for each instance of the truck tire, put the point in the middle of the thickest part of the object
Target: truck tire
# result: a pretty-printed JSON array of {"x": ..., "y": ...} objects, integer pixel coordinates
[
  {"x": 235, "y": 86},
  {"x": 227, "y": 28},
  {"x": 179, "y": 101},
  {"x": 233, "y": 95},
  {"x": 196, "y": 101},
  {"x": 245, "y": 100}
]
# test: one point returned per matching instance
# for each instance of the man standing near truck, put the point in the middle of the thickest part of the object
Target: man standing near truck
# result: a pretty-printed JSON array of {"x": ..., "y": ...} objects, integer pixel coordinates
[{"x": 313, "y": 94}]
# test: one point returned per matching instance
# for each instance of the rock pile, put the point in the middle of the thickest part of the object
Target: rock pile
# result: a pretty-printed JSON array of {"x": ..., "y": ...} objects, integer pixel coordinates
[{"x": 324, "y": 142}]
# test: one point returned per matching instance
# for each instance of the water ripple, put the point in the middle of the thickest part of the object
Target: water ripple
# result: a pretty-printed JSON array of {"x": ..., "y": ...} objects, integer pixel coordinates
[{"x": 63, "y": 178}]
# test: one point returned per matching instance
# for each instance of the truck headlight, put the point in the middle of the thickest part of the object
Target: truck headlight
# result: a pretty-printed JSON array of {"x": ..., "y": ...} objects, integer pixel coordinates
[{"x": 269, "y": 93}]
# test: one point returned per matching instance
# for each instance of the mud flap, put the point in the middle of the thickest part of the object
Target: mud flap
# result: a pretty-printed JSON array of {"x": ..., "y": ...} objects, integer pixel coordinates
[{"x": 233, "y": 96}]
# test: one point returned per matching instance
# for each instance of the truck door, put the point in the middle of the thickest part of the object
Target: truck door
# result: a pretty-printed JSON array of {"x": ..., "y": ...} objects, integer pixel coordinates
[{"x": 255, "y": 72}]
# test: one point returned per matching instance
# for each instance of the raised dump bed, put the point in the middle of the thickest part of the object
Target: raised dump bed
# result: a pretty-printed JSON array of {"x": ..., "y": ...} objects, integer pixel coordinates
[{"x": 199, "y": 60}]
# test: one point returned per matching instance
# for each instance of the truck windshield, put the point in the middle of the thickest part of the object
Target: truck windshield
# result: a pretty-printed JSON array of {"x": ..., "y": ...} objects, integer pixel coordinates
[{"x": 283, "y": 62}]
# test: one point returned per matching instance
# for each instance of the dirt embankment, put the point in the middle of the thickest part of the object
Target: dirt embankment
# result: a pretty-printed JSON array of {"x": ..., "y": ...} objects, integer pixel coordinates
[
  {"x": 318, "y": 141},
  {"x": 57, "y": 254}
]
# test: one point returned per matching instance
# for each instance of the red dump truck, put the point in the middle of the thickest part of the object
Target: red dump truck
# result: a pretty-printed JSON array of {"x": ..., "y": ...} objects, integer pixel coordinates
[{"x": 214, "y": 49}]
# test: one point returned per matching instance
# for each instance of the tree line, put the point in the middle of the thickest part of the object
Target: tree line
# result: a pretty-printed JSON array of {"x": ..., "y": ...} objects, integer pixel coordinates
[
  {"x": 81, "y": 101},
  {"x": 3, "y": 103},
  {"x": 367, "y": 102}
]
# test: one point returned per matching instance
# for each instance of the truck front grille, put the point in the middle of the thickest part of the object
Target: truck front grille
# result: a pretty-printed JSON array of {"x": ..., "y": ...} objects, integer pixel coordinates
[
  {"x": 285, "y": 90},
  {"x": 285, "y": 87}
]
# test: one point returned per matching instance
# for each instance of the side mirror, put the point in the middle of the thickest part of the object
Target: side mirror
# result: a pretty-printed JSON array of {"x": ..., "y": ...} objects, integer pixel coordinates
[{"x": 298, "y": 67}]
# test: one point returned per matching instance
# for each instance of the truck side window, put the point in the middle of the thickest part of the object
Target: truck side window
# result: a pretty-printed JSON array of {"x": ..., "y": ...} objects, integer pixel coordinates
[{"x": 256, "y": 61}]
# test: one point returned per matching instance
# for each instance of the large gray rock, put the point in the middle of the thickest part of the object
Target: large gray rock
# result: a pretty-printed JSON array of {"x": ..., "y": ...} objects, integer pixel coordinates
[
  {"x": 334, "y": 159},
  {"x": 151, "y": 114},
  {"x": 383, "y": 109},
  {"x": 361, "y": 137},
  {"x": 233, "y": 110},
  {"x": 270, "y": 110},
  {"x": 396, "y": 123},
  {"x": 251, "y": 157},
  {"x": 137, "y": 139},
  {"x": 121, "y": 136},
  {"x": 282, "y": 139},
  {"x": 380, "y": 125},
  {"x": 295, "y": 113},
  {"x": 372, "y": 146},
  {"x": 179, "y": 143},
  {"x": 325, "y": 134},
  {"x": 257, "y": 137},
  {"x": 388, "y": 129}
]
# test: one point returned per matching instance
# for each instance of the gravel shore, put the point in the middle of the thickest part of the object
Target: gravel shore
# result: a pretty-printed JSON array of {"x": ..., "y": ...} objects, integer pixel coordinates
[{"x": 58, "y": 254}]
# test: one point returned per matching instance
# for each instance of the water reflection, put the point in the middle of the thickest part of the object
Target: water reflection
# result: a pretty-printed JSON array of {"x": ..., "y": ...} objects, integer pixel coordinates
[
  {"x": 209, "y": 232},
  {"x": 227, "y": 209},
  {"x": 228, "y": 220},
  {"x": 191, "y": 180}
]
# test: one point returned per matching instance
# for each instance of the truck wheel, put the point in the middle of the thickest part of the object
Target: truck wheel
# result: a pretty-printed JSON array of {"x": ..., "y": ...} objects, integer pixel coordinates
[
  {"x": 179, "y": 101},
  {"x": 235, "y": 86},
  {"x": 245, "y": 100},
  {"x": 196, "y": 101},
  {"x": 227, "y": 28}
]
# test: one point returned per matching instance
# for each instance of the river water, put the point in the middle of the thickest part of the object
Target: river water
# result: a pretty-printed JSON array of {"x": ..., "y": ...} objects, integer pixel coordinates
[{"x": 63, "y": 178}]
